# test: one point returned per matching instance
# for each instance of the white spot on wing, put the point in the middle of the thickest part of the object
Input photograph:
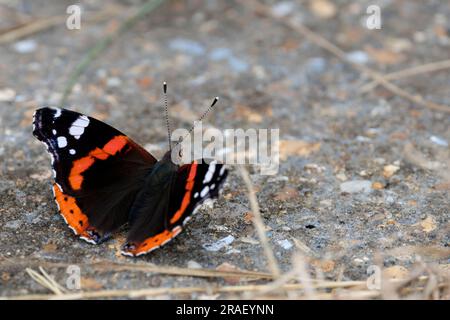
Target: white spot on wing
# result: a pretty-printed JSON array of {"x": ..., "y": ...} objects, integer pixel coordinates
[
  {"x": 81, "y": 121},
  {"x": 204, "y": 191},
  {"x": 57, "y": 114},
  {"x": 62, "y": 142},
  {"x": 210, "y": 173},
  {"x": 78, "y": 126},
  {"x": 222, "y": 171},
  {"x": 76, "y": 131},
  {"x": 196, "y": 195},
  {"x": 72, "y": 151},
  {"x": 54, "y": 132}
]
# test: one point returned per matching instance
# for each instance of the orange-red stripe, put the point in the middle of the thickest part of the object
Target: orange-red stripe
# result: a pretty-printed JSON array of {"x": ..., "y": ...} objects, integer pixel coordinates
[
  {"x": 81, "y": 165},
  {"x": 187, "y": 195},
  {"x": 70, "y": 211},
  {"x": 155, "y": 241}
]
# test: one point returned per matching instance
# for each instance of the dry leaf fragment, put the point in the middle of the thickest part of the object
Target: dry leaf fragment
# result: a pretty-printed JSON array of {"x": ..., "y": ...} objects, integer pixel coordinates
[
  {"x": 248, "y": 217},
  {"x": 245, "y": 112},
  {"x": 428, "y": 224},
  {"x": 377, "y": 185},
  {"x": 383, "y": 56},
  {"x": 90, "y": 283},
  {"x": 286, "y": 193},
  {"x": 50, "y": 247},
  {"x": 390, "y": 170},
  {"x": 145, "y": 82},
  {"x": 324, "y": 265},
  {"x": 396, "y": 272}
]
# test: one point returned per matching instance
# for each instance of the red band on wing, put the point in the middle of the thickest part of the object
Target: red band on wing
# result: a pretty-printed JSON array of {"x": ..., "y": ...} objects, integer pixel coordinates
[
  {"x": 79, "y": 166},
  {"x": 154, "y": 242},
  {"x": 70, "y": 211},
  {"x": 187, "y": 196}
]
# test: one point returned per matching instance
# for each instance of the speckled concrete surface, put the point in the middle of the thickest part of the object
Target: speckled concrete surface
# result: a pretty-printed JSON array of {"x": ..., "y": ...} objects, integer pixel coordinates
[{"x": 372, "y": 177}]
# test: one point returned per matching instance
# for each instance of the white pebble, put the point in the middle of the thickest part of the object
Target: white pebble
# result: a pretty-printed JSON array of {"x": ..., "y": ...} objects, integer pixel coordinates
[
  {"x": 439, "y": 141},
  {"x": 356, "y": 186}
]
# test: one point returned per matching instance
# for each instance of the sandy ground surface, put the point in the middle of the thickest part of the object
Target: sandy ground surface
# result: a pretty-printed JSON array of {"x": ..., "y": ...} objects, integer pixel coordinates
[{"x": 359, "y": 174}]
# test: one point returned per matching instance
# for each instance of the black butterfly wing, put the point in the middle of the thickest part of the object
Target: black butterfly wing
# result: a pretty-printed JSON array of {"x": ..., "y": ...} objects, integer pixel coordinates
[
  {"x": 98, "y": 170},
  {"x": 162, "y": 219}
]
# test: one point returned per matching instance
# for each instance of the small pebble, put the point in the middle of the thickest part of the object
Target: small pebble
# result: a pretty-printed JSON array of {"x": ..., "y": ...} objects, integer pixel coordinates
[
  {"x": 218, "y": 54},
  {"x": 359, "y": 57},
  {"x": 377, "y": 185},
  {"x": 194, "y": 265},
  {"x": 237, "y": 65},
  {"x": 7, "y": 95},
  {"x": 113, "y": 82},
  {"x": 283, "y": 8},
  {"x": 341, "y": 176},
  {"x": 285, "y": 244},
  {"x": 14, "y": 224},
  {"x": 25, "y": 46},
  {"x": 356, "y": 186},
  {"x": 390, "y": 170},
  {"x": 187, "y": 46},
  {"x": 222, "y": 243},
  {"x": 358, "y": 261},
  {"x": 439, "y": 141},
  {"x": 316, "y": 65}
]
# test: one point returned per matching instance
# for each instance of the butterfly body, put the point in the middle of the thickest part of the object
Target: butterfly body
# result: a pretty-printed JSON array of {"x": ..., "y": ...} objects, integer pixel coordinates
[{"x": 104, "y": 180}]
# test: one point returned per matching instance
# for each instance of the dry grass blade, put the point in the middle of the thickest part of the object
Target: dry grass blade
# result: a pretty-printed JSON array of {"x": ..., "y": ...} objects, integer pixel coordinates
[
  {"x": 108, "y": 266},
  {"x": 258, "y": 223},
  {"x": 31, "y": 28},
  {"x": 263, "y": 10},
  {"x": 46, "y": 280},
  {"x": 304, "y": 276},
  {"x": 429, "y": 67},
  {"x": 151, "y": 292},
  {"x": 47, "y": 23}
]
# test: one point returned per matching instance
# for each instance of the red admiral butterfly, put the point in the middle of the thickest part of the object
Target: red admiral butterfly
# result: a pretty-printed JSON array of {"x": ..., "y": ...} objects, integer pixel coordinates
[{"x": 103, "y": 180}]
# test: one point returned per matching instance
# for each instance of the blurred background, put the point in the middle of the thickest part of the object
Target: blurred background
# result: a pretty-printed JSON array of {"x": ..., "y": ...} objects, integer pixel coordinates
[{"x": 358, "y": 89}]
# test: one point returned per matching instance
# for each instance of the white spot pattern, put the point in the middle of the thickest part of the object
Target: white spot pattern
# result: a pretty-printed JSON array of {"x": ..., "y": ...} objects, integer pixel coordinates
[
  {"x": 210, "y": 173},
  {"x": 62, "y": 142},
  {"x": 204, "y": 191},
  {"x": 57, "y": 114},
  {"x": 78, "y": 126}
]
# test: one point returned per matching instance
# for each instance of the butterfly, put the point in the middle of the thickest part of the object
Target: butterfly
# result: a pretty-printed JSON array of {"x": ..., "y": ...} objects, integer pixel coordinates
[{"x": 104, "y": 180}]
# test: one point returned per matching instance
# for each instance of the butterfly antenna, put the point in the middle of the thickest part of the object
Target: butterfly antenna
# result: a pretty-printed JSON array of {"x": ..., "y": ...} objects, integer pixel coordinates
[
  {"x": 201, "y": 117},
  {"x": 167, "y": 114}
]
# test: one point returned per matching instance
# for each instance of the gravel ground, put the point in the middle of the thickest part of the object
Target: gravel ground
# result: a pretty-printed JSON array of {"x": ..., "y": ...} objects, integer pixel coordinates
[{"x": 360, "y": 174}]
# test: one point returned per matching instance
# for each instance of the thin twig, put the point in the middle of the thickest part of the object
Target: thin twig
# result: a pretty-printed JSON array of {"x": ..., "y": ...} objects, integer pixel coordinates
[
  {"x": 108, "y": 266},
  {"x": 149, "y": 292},
  {"x": 40, "y": 25},
  {"x": 425, "y": 68},
  {"x": 263, "y": 10},
  {"x": 259, "y": 225},
  {"x": 136, "y": 293},
  {"x": 45, "y": 280}
]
